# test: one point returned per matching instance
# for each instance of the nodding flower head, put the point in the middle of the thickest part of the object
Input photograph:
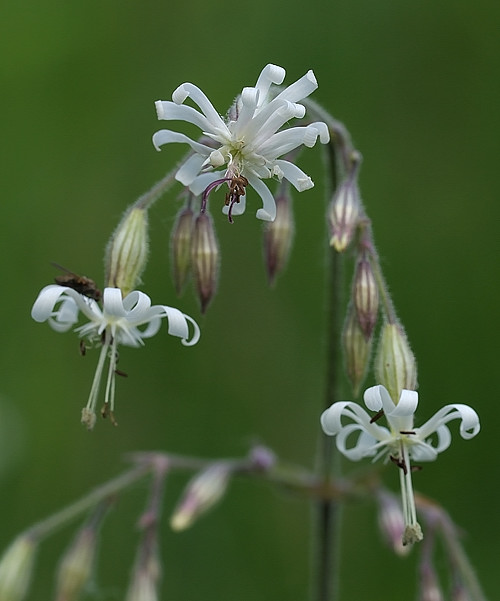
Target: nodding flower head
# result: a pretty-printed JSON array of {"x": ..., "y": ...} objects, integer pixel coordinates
[
  {"x": 126, "y": 321},
  {"x": 245, "y": 148},
  {"x": 400, "y": 442}
]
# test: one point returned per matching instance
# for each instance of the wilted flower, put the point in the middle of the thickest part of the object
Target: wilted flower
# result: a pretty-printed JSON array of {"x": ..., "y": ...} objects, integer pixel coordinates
[
  {"x": 243, "y": 149},
  {"x": 400, "y": 442},
  {"x": 118, "y": 322}
]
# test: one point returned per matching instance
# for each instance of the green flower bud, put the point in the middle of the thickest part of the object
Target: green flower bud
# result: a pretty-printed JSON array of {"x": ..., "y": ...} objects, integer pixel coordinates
[
  {"x": 278, "y": 236},
  {"x": 357, "y": 350},
  {"x": 16, "y": 567},
  {"x": 365, "y": 296},
  {"x": 76, "y": 566},
  {"x": 145, "y": 578},
  {"x": 395, "y": 364},
  {"x": 204, "y": 259},
  {"x": 182, "y": 234},
  {"x": 343, "y": 214},
  {"x": 127, "y": 251}
]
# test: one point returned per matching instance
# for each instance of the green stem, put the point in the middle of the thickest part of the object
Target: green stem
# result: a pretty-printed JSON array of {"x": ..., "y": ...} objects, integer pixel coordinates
[{"x": 61, "y": 518}]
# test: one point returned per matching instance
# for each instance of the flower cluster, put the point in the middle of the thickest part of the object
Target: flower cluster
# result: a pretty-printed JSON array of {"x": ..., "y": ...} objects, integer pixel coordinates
[
  {"x": 401, "y": 441},
  {"x": 243, "y": 149},
  {"x": 119, "y": 321}
]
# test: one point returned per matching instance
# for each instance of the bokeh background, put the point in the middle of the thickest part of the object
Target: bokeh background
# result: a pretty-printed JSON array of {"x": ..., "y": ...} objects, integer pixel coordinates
[{"x": 417, "y": 85}]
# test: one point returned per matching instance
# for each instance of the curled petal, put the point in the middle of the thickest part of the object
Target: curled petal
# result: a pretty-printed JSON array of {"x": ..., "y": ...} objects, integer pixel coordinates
[
  {"x": 165, "y": 136},
  {"x": 270, "y": 74},
  {"x": 364, "y": 446},
  {"x": 207, "y": 108},
  {"x": 300, "y": 180},
  {"x": 331, "y": 420},
  {"x": 302, "y": 88},
  {"x": 178, "y": 326},
  {"x": 469, "y": 426}
]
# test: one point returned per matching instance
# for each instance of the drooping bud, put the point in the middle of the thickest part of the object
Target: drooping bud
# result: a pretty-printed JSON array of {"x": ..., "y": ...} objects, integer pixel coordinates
[
  {"x": 343, "y": 214},
  {"x": 76, "y": 566},
  {"x": 391, "y": 522},
  {"x": 204, "y": 259},
  {"x": 180, "y": 240},
  {"x": 127, "y": 251},
  {"x": 430, "y": 589},
  {"x": 395, "y": 364},
  {"x": 145, "y": 576},
  {"x": 365, "y": 296},
  {"x": 357, "y": 350},
  {"x": 16, "y": 567},
  {"x": 201, "y": 494},
  {"x": 278, "y": 236}
]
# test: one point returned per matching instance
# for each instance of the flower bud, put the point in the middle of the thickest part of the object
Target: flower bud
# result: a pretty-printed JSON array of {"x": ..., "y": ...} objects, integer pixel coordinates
[
  {"x": 391, "y": 522},
  {"x": 395, "y": 364},
  {"x": 127, "y": 251},
  {"x": 357, "y": 350},
  {"x": 365, "y": 296},
  {"x": 145, "y": 578},
  {"x": 16, "y": 567},
  {"x": 182, "y": 234},
  {"x": 278, "y": 236},
  {"x": 204, "y": 259},
  {"x": 430, "y": 590},
  {"x": 76, "y": 565},
  {"x": 343, "y": 214},
  {"x": 203, "y": 492}
]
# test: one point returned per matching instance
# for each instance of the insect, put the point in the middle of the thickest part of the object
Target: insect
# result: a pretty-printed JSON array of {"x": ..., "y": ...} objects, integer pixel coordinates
[{"x": 80, "y": 283}]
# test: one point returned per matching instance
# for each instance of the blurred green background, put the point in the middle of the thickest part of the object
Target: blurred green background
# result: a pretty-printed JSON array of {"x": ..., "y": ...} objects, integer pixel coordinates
[{"x": 417, "y": 84}]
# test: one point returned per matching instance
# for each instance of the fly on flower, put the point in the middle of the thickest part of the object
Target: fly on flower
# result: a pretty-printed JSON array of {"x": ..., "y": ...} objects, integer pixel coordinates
[
  {"x": 126, "y": 321},
  {"x": 244, "y": 148},
  {"x": 80, "y": 283},
  {"x": 400, "y": 442}
]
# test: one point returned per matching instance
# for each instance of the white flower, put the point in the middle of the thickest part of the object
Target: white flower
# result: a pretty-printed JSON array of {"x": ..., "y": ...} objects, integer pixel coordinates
[
  {"x": 118, "y": 322},
  {"x": 247, "y": 145},
  {"x": 401, "y": 441}
]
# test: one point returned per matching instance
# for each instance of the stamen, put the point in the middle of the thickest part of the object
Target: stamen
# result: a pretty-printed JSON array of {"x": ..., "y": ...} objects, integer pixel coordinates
[{"x": 377, "y": 416}]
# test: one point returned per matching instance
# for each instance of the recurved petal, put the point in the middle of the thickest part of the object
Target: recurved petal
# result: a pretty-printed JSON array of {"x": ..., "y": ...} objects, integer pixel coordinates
[
  {"x": 165, "y": 136},
  {"x": 469, "y": 426},
  {"x": 43, "y": 307},
  {"x": 199, "y": 97},
  {"x": 178, "y": 325},
  {"x": 300, "y": 180},
  {"x": 355, "y": 448},
  {"x": 300, "y": 89},
  {"x": 170, "y": 111},
  {"x": 270, "y": 74},
  {"x": 268, "y": 211}
]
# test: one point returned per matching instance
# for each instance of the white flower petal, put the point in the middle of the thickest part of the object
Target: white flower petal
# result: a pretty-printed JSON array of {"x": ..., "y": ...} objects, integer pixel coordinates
[
  {"x": 302, "y": 88},
  {"x": 191, "y": 167},
  {"x": 270, "y": 74},
  {"x": 238, "y": 207},
  {"x": 407, "y": 404},
  {"x": 189, "y": 90},
  {"x": 165, "y": 136},
  {"x": 300, "y": 180},
  {"x": 170, "y": 111},
  {"x": 268, "y": 211},
  {"x": 469, "y": 426}
]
